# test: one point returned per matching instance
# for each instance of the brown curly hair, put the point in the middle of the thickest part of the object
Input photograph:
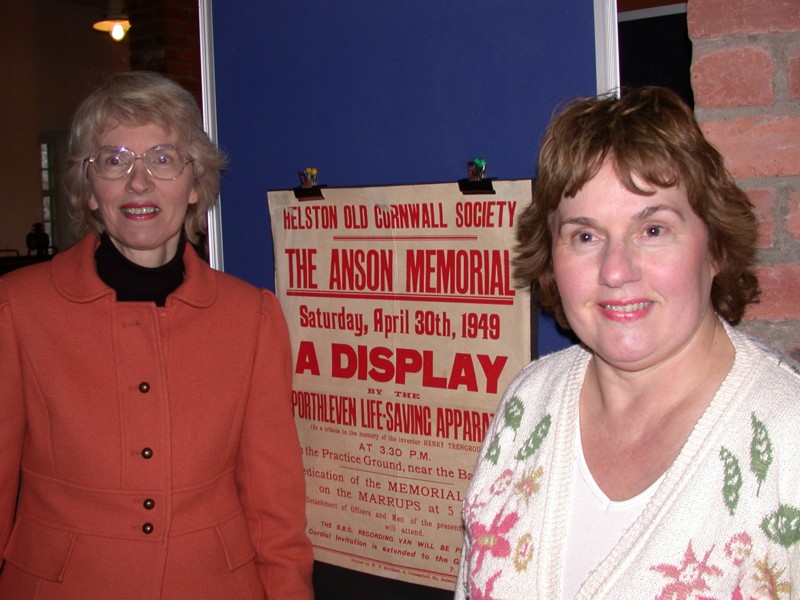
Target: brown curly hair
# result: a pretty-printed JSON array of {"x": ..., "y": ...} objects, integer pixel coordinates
[{"x": 649, "y": 133}]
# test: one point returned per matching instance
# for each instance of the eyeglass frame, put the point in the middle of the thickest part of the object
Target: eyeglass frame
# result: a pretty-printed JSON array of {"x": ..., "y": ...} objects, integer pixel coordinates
[{"x": 184, "y": 161}]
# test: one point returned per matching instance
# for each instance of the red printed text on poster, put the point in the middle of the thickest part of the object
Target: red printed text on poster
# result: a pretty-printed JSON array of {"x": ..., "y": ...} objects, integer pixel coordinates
[{"x": 406, "y": 329}]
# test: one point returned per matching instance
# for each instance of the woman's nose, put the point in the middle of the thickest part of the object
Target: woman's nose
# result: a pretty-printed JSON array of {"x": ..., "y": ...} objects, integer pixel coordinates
[
  {"x": 139, "y": 178},
  {"x": 619, "y": 264}
]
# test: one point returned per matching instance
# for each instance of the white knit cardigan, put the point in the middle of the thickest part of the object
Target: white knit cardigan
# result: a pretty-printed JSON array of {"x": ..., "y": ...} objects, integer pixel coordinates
[{"x": 724, "y": 523}]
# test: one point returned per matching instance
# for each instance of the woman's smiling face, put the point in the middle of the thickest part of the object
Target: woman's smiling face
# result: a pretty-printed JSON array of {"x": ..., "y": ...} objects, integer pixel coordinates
[
  {"x": 142, "y": 215},
  {"x": 634, "y": 271}
]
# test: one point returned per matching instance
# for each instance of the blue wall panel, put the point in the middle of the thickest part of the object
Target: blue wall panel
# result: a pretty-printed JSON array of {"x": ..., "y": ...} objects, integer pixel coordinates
[
  {"x": 378, "y": 93},
  {"x": 372, "y": 92}
]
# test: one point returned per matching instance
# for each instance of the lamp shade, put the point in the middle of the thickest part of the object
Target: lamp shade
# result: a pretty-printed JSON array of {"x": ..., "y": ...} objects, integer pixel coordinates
[{"x": 116, "y": 22}]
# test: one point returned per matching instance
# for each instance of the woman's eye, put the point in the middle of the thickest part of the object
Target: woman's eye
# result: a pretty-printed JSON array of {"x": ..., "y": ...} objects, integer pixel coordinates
[
  {"x": 654, "y": 230},
  {"x": 584, "y": 237}
]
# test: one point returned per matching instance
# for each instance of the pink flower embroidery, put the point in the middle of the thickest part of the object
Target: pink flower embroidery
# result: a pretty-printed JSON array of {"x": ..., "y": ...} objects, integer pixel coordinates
[
  {"x": 478, "y": 594},
  {"x": 688, "y": 578},
  {"x": 490, "y": 539},
  {"x": 502, "y": 482},
  {"x": 470, "y": 508},
  {"x": 738, "y": 548},
  {"x": 735, "y": 595}
]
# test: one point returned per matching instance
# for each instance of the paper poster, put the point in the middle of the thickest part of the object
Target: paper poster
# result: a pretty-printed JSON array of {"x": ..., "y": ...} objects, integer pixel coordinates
[{"x": 406, "y": 329}]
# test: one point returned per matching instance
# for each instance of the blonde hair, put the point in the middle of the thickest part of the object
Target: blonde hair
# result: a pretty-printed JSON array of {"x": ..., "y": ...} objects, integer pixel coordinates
[{"x": 132, "y": 99}]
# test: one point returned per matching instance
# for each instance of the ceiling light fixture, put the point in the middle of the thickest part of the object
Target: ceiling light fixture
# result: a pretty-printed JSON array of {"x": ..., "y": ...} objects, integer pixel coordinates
[{"x": 116, "y": 22}]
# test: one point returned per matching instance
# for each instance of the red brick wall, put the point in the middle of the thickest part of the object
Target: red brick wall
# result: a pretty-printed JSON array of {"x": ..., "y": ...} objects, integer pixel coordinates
[
  {"x": 746, "y": 83},
  {"x": 164, "y": 37}
]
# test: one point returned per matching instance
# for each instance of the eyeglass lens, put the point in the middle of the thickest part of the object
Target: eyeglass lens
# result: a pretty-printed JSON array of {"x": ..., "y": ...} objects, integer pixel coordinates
[{"x": 162, "y": 162}]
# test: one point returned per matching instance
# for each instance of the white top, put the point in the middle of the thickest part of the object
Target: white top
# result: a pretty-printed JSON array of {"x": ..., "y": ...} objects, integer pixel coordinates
[{"x": 594, "y": 522}]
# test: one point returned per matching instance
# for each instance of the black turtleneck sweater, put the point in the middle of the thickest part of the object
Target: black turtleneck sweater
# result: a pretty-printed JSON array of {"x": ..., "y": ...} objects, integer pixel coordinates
[{"x": 134, "y": 283}]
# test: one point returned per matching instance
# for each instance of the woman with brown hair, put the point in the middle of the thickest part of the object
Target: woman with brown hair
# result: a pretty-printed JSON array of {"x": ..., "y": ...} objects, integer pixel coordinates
[{"x": 658, "y": 457}]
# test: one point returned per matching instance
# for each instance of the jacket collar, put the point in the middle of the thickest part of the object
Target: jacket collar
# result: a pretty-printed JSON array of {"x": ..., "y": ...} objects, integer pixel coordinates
[{"x": 75, "y": 276}]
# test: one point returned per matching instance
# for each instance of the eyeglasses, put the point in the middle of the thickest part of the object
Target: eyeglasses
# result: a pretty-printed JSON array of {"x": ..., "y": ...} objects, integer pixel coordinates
[{"x": 116, "y": 162}]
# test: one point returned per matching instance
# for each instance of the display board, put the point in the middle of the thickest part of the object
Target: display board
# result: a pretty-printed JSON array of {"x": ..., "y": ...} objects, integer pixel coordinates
[
  {"x": 383, "y": 93},
  {"x": 406, "y": 329}
]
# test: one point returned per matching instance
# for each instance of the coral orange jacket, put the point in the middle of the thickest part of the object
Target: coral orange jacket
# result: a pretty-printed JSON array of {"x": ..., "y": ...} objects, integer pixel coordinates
[{"x": 153, "y": 448}]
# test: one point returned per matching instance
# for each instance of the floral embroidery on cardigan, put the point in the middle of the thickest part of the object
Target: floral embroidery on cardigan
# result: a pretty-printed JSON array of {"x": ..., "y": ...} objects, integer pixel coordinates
[
  {"x": 495, "y": 539},
  {"x": 738, "y": 548},
  {"x": 745, "y": 555},
  {"x": 688, "y": 578},
  {"x": 476, "y": 593},
  {"x": 501, "y": 484},
  {"x": 528, "y": 484},
  {"x": 760, "y": 461},
  {"x": 783, "y": 525},
  {"x": 760, "y": 451},
  {"x": 513, "y": 413},
  {"x": 732, "y": 480},
  {"x": 512, "y": 418},
  {"x": 769, "y": 579},
  {"x": 492, "y": 539},
  {"x": 523, "y": 553},
  {"x": 536, "y": 438},
  {"x": 691, "y": 578}
]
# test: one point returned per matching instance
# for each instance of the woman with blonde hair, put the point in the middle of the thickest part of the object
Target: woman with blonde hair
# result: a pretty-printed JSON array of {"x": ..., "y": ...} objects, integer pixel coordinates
[{"x": 145, "y": 412}]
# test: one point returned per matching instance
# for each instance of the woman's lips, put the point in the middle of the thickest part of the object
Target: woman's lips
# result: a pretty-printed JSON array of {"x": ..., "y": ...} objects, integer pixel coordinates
[
  {"x": 140, "y": 211},
  {"x": 625, "y": 311}
]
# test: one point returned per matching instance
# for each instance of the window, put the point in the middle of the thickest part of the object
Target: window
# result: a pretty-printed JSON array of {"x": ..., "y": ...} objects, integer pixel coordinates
[
  {"x": 53, "y": 161},
  {"x": 49, "y": 178}
]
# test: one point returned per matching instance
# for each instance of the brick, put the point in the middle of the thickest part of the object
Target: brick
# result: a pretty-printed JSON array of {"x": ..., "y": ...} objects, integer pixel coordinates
[
  {"x": 794, "y": 75},
  {"x": 793, "y": 221},
  {"x": 710, "y": 18},
  {"x": 185, "y": 56},
  {"x": 780, "y": 289},
  {"x": 734, "y": 77},
  {"x": 189, "y": 29},
  {"x": 757, "y": 146},
  {"x": 764, "y": 201},
  {"x": 626, "y": 5},
  {"x": 184, "y": 69}
]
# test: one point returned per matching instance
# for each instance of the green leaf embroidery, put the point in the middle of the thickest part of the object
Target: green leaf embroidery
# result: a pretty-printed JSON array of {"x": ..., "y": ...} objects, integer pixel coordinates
[
  {"x": 760, "y": 452},
  {"x": 733, "y": 479},
  {"x": 513, "y": 413},
  {"x": 533, "y": 442},
  {"x": 493, "y": 453},
  {"x": 783, "y": 526}
]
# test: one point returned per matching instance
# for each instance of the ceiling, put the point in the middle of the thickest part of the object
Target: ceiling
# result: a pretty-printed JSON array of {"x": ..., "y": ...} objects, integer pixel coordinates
[
  {"x": 96, "y": 3},
  {"x": 103, "y": 4}
]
